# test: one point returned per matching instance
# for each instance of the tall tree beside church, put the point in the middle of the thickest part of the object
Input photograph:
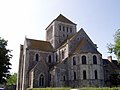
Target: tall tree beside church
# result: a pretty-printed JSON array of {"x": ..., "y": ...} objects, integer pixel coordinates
[
  {"x": 5, "y": 56},
  {"x": 115, "y": 48}
]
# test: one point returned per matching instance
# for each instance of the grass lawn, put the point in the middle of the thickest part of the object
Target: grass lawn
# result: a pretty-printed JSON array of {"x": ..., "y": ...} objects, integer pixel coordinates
[{"x": 88, "y": 88}]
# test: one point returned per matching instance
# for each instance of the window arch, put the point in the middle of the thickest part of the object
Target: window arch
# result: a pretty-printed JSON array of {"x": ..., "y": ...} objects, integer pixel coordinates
[
  {"x": 49, "y": 59},
  {"x": 74, "y": 61},
  {"x": 41, "y": 80},
  {"x": 95, "y": 73},
  {"x": 94, "y": 59},
  {"x": 83, "y": 59},
  {"x": 84, "y": 75},
  {"x": 37, "y": 57}
]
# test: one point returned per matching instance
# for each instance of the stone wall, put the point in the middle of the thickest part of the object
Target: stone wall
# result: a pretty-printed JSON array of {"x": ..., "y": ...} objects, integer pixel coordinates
[
  {"x": 89, "y": 68},
  {"x": 41, "y": 66}
]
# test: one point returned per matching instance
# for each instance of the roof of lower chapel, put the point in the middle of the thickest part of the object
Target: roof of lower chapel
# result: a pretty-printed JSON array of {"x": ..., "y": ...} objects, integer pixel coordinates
[
  {"x": 62, "y": 18},
  {"x": 39, "y": 45}
]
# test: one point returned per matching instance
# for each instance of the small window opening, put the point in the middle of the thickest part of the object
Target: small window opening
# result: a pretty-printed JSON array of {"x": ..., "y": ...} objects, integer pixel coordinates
[
  {"x": 37, "y": 57},
  {"x": 84, "y": 74}
]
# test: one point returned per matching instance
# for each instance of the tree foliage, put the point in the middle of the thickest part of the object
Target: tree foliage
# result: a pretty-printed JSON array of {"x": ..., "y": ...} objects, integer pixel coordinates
[
  {"x": 115, "y": 79},
  {"x": 5, "y": 57},
  {"x": 115, "y": 48},
  {"x": 12, "y": 80}
]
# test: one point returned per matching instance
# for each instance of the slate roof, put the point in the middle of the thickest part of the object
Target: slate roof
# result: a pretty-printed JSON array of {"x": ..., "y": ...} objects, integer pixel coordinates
[
  {"x": 65, "y": 41},
  {"x": 39, "y": 45},
  {"x": 114, "y": 64},
  {"x": 62, "y": 19},
  {"x": 85, "y": 46}
]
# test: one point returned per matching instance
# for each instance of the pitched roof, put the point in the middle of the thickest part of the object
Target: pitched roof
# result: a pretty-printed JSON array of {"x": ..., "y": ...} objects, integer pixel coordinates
[
  {"x": 114, "y": 64},
  {"x": 85, "y": 46},
  {"x": 83, "y": 34},
  {"x": 63, "y": 19},
  {"x": 65, "y": 41},
  {"x": 39, "y": 45}
]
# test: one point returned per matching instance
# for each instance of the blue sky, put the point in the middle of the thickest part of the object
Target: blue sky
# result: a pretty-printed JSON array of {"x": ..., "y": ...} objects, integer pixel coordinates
[{"x": 20, "y": 18}]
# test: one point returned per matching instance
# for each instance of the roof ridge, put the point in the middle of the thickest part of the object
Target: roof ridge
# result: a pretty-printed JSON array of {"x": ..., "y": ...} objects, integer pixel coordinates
[
  {"x": 64, "y": 19},
  {"x": 37, "y": 40}
]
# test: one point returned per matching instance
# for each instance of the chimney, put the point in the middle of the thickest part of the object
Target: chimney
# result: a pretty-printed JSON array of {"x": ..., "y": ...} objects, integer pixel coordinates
[{"x": 110, "y": 58}]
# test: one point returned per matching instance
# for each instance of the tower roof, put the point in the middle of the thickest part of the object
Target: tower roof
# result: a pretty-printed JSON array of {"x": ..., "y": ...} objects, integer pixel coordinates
[{"x": 63, "y": 19}]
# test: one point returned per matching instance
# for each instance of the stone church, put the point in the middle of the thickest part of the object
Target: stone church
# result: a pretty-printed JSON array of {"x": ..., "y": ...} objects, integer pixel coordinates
[{"x": 66, "y": 59}]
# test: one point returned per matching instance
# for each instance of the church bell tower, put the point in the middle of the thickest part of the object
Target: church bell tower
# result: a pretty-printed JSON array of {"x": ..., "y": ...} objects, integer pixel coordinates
[{"x": 59, "y": 30}]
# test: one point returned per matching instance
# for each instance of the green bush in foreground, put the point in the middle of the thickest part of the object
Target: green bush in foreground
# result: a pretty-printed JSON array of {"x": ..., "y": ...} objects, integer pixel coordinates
[{"x": 90, "y": 88}]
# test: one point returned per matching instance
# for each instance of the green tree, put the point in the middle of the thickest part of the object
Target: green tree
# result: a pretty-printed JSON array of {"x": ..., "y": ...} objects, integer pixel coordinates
[
  {"x": 5, "y": 57},
  {"x": 12, "y": 80},
  {"x": 115, "y": 48},
  {"x": 115, "y": 79}
]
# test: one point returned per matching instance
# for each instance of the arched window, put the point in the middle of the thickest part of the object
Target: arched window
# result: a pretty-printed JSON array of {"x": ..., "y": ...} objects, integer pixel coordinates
[
  {"x": 83, "y": 59},
  {"x": 94, "y": 59},
  {"x": 74, "y": 61},
  {"x": 70, "y": 29},
  {"x": 63, "y": 78},
  {"x": 63, "y": 28},
  {"x": 67, "y": 29},
  {"x": 56, "y": 57},
  {"x": 62, "y": 54},
  {"x": 74, "y": 75},
  {"x": 67, "y": 35},
  {"x": 60, "y": 27},
  {"x": 36, "y": 57},
  {"x": 49, "y": 59},
  {"x": 84, "y": 75},
  {"x": 95, "y": 73},
  {"x": 50, "y": 77},
  {"x": 41, "y": 80}
]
